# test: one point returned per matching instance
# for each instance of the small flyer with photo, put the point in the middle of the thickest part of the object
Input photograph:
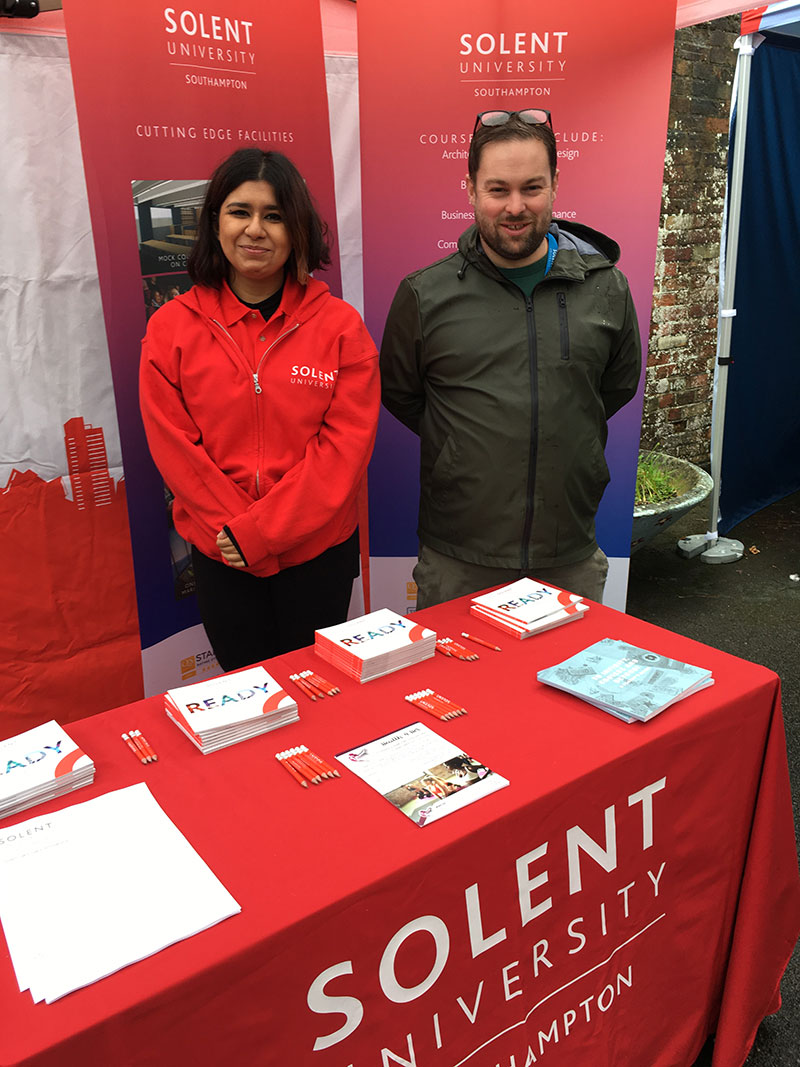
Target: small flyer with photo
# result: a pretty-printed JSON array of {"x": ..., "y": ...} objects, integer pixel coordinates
[{"x": 422, "y": 774}]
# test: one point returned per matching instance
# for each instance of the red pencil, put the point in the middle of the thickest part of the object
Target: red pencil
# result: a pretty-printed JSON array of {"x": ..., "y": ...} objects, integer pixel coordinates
[
  {"x": 298, "y": 681},
  {"x": 134, "y": 748},
  {"x": 480, "y": 641},
  {"x": 139, "y": 736},
  {"x": 281, "y": 758}
]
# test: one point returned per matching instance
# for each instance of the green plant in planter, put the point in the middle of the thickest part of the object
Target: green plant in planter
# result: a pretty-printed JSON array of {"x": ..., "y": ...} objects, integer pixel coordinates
[{"x": 655, "y": 480}]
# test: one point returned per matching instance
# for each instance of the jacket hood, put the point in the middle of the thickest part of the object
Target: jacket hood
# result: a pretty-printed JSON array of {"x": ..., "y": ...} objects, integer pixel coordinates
[
  {"x": 581, "y": 249},
  {"x": 299, "y": 302}
]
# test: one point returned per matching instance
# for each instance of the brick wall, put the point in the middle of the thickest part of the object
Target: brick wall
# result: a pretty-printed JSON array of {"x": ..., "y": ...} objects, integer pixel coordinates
[{"x": 683, "y": 334}]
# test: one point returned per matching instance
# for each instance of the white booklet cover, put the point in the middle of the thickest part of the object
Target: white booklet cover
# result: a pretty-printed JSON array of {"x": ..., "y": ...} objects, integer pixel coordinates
[
  {"x": 376, "y": 634},
  {"x": 97, "y": 886},
  {"x": 422, "y": 774},
  {"x": 35, "y": 761},
  {"x": 228, "y": 700},
  {"x": 525, "y": 601}
]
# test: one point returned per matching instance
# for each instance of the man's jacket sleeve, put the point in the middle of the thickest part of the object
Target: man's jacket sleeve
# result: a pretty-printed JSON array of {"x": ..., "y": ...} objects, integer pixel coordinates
[
  {"x": 176, "y": 443},
  {"x": 316, "y": 490},
  {"x": 402, "y": 388},
  {"x": 621, "y": 376}
]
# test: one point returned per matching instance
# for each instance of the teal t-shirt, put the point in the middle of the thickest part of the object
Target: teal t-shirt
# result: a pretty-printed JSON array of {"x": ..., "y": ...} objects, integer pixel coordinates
[{"x": 526, "y": 278}]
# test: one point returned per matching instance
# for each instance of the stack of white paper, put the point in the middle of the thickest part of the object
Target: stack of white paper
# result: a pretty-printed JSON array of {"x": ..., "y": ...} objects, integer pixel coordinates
[
  {"x": 376, "y": 644},
  {"x": 527, "y": 607},
  {"x": 628, "y": 682},
  {"x": 39, "y": 765},
  {"x": 95, "y": 887},
  {"x": 230, "y": 708}
]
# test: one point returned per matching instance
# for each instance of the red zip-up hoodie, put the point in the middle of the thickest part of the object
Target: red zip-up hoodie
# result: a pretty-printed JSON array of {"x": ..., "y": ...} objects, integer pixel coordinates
[{"x": 265, "y": 428}]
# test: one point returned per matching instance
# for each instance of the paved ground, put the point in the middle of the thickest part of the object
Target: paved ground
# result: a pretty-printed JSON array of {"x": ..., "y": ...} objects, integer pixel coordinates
[{"x": 751, "y": 609}]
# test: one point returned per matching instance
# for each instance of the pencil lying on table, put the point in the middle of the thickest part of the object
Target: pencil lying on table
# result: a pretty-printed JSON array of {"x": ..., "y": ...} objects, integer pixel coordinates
[{"x": 480, "y": 641}]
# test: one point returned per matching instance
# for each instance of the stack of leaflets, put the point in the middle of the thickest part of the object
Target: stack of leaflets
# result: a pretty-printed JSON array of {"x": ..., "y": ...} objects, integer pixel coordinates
[
  {"x": 374, "y": 644},
  {"x": 628, "y": 682},
  {"x": 230, "y": 708},
  {"x": 39, "y": 765},
  {"x": 527, "y": 607}
]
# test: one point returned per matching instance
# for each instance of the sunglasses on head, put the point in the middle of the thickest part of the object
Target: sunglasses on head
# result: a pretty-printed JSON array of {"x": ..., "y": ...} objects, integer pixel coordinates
[{"x": 533, "y": 116}]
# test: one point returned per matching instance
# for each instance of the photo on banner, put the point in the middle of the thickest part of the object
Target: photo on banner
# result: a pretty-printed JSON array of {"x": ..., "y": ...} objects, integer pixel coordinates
[
  {"x": 603, "y": 71},
  {"x": 162, "y": 98}
]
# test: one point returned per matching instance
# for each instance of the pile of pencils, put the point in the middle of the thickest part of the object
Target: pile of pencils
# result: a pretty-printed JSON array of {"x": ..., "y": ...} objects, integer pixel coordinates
[
  {"x": 448, "y": 647},
  {"x": 314, "y": 685},
  {"x": 140, "y": 746},
  {"x": 436, "y": 704},
  {"x": 305, "y": 766}
]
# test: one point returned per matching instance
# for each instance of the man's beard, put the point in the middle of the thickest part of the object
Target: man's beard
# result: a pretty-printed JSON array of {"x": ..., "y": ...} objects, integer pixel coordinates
[{"x": 508, "y": 248}]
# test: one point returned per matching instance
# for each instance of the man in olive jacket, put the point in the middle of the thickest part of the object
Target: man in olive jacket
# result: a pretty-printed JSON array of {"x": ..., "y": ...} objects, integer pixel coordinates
[{"x": 507, "y": 358}]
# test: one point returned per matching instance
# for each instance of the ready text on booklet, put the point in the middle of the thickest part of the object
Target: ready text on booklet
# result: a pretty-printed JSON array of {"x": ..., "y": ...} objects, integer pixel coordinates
[
  {"x": 40, "y": 764},
  {"x": 375, "y": 644},
  {"x": 528, "y": 607},
  {"x": 230, "y": 708},
  {"x": 629, "y": 682}
]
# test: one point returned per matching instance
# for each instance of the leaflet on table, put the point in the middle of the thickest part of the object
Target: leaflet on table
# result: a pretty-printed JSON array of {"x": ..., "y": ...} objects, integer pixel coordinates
[
  {"x": 526, "y": 600},
  {"x": 375, "y": 634},
  {"x": 421, "y": 773},
  {"x": 228, "y": 699},
  {"x": 626, "y": 680},
  {"x": 90, "y": 889},
  {"x": 33, "y": 761}
]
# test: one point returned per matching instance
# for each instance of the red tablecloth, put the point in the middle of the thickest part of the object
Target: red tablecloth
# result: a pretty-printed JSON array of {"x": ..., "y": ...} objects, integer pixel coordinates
[{"x": 633, "y": 890}]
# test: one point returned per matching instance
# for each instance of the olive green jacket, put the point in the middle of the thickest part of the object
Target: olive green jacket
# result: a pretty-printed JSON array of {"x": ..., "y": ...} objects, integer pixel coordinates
[{"x": 510, "y": 397}]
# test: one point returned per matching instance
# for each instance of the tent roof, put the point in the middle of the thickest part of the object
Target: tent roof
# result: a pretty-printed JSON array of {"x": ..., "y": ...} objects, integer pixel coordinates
[{"x": 782, "y": 18}]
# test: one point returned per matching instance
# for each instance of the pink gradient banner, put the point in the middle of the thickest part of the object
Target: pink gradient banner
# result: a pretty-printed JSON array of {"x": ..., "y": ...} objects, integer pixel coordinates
[
  {"x": 603, "y": 71},
  {"x": 163, "y": 95}
]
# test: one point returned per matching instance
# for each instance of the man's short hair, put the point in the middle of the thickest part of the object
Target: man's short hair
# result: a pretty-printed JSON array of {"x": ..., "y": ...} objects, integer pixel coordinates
[{"x": 513, "y": 130}]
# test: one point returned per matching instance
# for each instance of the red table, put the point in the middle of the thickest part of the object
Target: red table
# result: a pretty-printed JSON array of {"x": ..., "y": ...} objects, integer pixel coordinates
[{"x": 633, "y": 890}]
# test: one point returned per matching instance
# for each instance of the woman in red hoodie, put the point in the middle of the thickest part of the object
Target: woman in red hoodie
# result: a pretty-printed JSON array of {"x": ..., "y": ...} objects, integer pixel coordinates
[{"x": 259, "y": 394}]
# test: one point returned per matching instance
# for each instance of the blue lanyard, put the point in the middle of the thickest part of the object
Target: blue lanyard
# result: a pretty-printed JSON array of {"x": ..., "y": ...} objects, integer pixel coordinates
[{"x": 552, "y": 248}]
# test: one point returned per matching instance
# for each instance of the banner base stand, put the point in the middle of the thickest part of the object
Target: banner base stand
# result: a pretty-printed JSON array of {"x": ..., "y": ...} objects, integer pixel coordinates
[{"x": 722, "y": 550}]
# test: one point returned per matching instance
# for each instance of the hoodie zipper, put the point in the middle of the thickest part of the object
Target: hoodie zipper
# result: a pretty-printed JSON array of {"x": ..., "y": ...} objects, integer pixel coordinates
[
  {"x": 533, "y": 446},
  {"x": 256, "y": 383}
]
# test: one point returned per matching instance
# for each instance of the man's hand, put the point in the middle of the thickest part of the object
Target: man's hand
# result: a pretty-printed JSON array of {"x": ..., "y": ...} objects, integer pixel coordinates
[{"x": 230, "y": 553}]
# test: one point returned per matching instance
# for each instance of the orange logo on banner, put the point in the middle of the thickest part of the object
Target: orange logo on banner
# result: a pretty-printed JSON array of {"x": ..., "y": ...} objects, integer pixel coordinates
[{"x": 188, "y": 668}]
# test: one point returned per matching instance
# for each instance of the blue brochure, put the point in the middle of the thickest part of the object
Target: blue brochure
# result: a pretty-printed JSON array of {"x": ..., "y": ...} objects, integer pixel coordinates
[{"x": 629, "y": 682}]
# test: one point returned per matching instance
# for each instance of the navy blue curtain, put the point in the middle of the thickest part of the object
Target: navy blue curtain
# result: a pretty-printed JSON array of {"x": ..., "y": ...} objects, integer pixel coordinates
[{"x": 761, "y": 452}]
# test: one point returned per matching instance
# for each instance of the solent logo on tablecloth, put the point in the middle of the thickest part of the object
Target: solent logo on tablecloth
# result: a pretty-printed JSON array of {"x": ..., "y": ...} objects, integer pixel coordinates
[
  {"x": 162, "y": 98},
  {"x": 518, "y": 967}
]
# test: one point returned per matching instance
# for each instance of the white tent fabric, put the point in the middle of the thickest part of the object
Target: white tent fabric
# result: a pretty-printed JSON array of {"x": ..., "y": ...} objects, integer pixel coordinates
[{"x": 54, "y": 361}]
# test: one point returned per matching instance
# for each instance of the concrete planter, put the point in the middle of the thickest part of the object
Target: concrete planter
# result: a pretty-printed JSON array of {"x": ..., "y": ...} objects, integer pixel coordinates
[{"x": 693, "y": 485}]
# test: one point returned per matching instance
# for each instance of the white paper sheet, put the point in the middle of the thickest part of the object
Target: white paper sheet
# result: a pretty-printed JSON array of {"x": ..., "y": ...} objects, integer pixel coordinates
[{"x": 90, "y": 889}]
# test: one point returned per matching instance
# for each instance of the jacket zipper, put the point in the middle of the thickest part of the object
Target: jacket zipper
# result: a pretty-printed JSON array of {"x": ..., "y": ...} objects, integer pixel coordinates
[
  {"x": 264, "y": 355},
  {"x": 256, "y": 384},
  {"x": 563, "y": 324},
  {"x": 526, "y": 530}
]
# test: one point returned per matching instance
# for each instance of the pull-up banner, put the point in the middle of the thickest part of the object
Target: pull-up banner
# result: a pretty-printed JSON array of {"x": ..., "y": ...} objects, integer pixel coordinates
[
  {"x": 603, "y": 71},
  {"x": 163, "y": 95}
]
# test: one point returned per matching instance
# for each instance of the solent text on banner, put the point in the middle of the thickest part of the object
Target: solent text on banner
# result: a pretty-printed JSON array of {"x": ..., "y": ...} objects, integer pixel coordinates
[
  {"x": 163, "y": 95},
  {"x": 603, "y": 71}
]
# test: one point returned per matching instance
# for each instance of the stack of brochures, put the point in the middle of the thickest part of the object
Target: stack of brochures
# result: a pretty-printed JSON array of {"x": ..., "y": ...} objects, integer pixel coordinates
[
  {"x": 375, "y": 644},
  {"x": 97, "y": 886},
  {"x": 230, "y": 708},
  {"x": 528, "y": 607},
  {"x": 39, "y": 765},
  {"x": 629, "y": 682}
]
